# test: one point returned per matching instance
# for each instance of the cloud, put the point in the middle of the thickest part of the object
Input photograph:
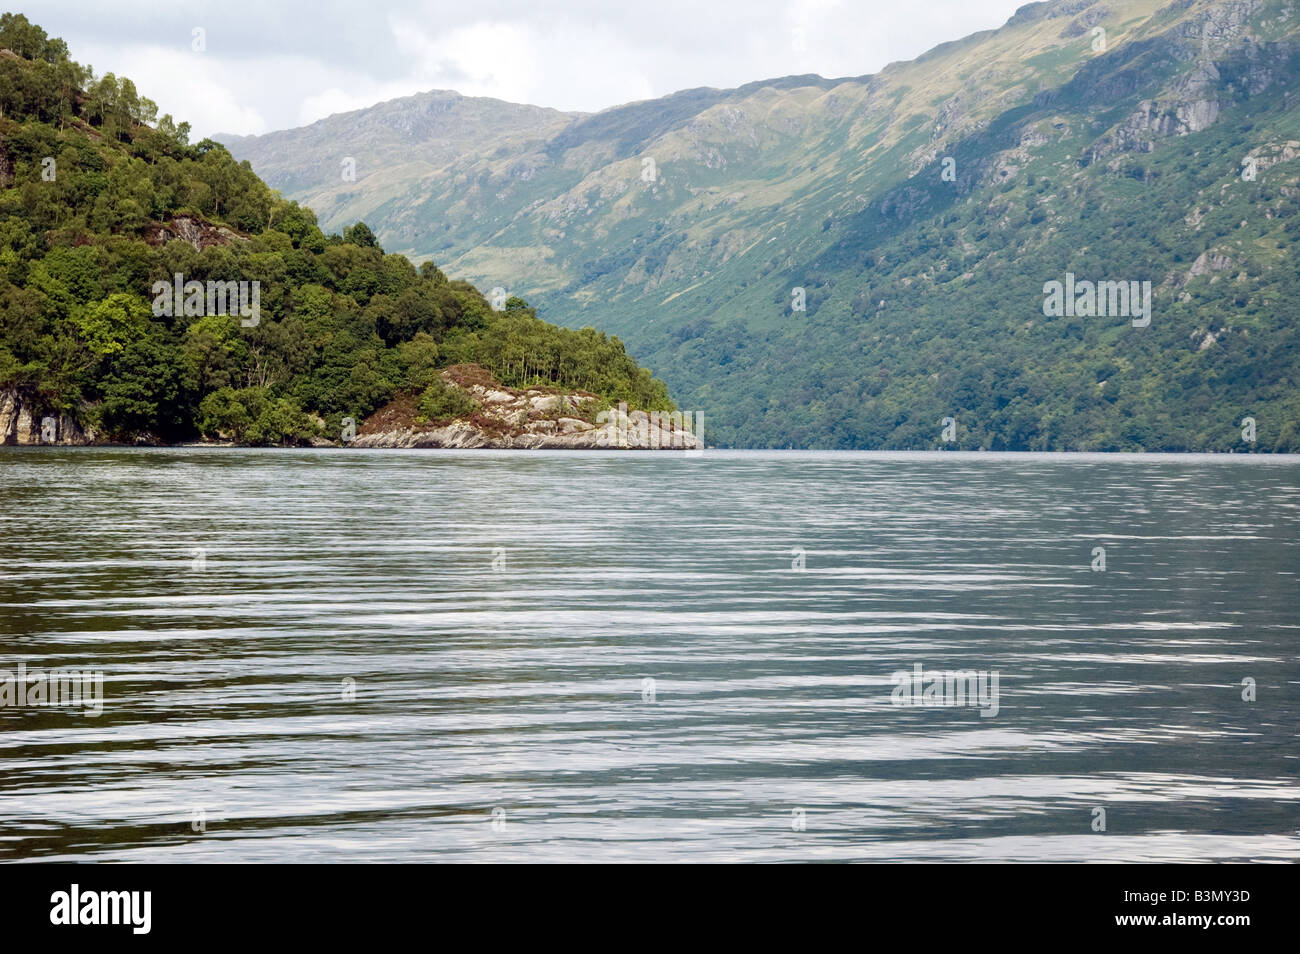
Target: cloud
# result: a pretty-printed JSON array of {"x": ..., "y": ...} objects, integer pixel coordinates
[
  {"x": 191, "y": 86},
  {"x": 274, "y": 65},
  {"x": 563, "y": 64}
]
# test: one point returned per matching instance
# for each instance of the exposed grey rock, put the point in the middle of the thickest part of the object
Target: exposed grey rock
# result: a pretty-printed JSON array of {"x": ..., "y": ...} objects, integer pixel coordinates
[
  {"x": 1208, "y": 262},
  {"x": 534, "y": 419},
  {"x": 1083, "y": 23},
  {"x": 23, "y": 426},
  {"x": 194, "y": 230},
  {"x": 20, "y": 423}
]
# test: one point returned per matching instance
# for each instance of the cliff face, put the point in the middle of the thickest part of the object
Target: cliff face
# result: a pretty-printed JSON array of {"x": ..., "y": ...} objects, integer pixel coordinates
[
  {"x": 20, "y": 425},
  {"x": 530, "y": 419}
]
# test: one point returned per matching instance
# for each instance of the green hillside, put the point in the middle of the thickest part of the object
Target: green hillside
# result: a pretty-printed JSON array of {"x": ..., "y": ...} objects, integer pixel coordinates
[
  {"x": 1117, "y": 141},
  {"x": 274, "y": 331}
]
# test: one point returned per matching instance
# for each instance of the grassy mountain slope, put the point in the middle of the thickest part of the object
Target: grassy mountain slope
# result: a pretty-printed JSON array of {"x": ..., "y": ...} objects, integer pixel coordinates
[
  {"x": 1101, "y": 138},
  {"x": 100, "y": 201}
]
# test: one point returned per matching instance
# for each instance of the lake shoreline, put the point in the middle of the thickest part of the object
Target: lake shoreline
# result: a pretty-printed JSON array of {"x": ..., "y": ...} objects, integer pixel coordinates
[{"x": 1280, "y": 458}]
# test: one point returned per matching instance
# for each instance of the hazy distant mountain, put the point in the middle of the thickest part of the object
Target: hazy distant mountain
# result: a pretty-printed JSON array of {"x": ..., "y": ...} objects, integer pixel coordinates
[{"x": 921, "y": 210}]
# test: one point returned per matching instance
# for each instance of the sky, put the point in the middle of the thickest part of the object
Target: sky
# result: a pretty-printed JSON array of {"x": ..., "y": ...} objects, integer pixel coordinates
[{"x": 253, "y": 66}]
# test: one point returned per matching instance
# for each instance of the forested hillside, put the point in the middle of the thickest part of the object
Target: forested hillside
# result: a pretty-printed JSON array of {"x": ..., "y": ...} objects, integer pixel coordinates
[
  {"x": 103, "y": 204},
  {"x": 846, "y": 263}
]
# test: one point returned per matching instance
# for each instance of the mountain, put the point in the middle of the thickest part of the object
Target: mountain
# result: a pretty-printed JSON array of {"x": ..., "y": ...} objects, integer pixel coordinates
[
  {"x": 157, "y": 291},
  {"x": 869, "y": 262}
]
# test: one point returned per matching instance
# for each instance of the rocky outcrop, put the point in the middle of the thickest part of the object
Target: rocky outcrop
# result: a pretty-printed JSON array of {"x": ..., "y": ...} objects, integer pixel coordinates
[
  {"x": 15, "y": 419},
  {"x": 1154, "y": 120},
  {"x": 1207, "y": 262},
  {"x": 192, "y": 229},
  {"x": 529, "y": 419},
  {"x": 1272, "y": 153},
  {"x": 1090, "y": 18},
  {"x": 20, "y": 424},
  {"x": 1213, "y": 54}
]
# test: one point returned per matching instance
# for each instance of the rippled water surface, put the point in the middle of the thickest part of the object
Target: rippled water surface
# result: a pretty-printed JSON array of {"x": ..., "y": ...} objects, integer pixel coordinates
[{"x": 395, "y": 655}]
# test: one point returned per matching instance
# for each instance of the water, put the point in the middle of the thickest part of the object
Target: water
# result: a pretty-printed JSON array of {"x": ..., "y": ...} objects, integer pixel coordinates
[{"x": 503, "y": 713}]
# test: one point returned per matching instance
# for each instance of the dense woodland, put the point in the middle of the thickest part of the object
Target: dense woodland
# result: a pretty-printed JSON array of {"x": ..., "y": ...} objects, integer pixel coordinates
[
  {"x": 936, "y": 311},
  {"x": 927, "y": 304},
  {"x": 93, "y": 185}
]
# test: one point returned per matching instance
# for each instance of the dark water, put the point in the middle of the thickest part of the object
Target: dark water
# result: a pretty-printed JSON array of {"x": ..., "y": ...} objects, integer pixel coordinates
[{"x": 229, "y": 596}]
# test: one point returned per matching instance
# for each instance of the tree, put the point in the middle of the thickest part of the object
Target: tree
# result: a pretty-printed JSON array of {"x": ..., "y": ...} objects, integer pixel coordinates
[
  {"x": 142, "y": 392},
  {"x": 106, "y": 327},
  {"x": 25, "y": 38},
  {"x": 361, "y": 235}
]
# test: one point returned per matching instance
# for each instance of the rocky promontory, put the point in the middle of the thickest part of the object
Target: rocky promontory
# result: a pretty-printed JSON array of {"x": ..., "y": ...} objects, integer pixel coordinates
[
  {"x": 490, "y": 415},
  {"x": 527, "y": 418}
]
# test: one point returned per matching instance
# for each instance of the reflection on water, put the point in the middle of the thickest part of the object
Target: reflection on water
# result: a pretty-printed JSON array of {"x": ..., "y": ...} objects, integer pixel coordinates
[{"x": 359, "y": 655}]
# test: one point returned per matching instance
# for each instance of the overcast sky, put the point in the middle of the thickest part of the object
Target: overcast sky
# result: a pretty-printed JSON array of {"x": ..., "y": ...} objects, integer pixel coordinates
[{"x": 270, "y": 65}]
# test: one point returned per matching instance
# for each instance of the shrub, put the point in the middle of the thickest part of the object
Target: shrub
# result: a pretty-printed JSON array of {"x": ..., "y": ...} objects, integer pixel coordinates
[{"x": 443, "y": 402}]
